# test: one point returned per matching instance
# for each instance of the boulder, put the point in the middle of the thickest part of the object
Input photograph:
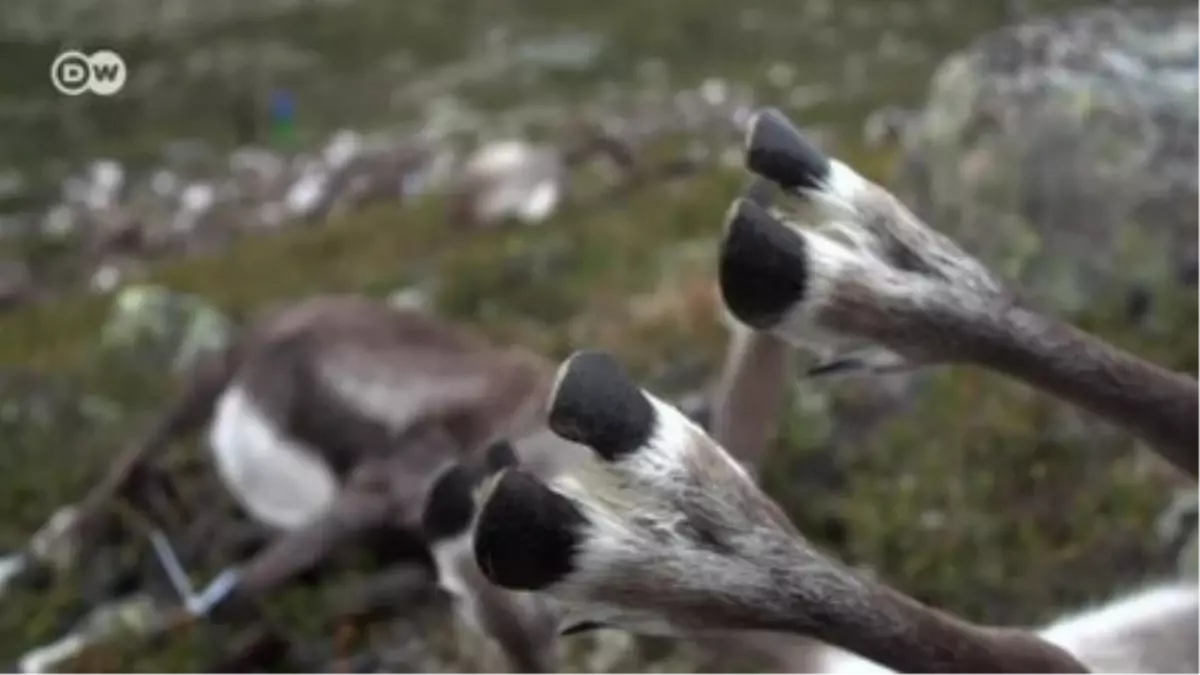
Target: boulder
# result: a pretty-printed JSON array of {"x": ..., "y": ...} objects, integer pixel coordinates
[{"x": 1063, "y": 150}]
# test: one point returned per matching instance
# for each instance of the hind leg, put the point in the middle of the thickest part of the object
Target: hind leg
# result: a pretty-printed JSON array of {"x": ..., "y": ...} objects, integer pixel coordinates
[{"x": 362, "y": 505}]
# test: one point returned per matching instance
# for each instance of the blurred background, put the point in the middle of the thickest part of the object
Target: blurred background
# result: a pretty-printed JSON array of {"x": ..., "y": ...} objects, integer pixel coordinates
[{"x": 265, "y": 150}]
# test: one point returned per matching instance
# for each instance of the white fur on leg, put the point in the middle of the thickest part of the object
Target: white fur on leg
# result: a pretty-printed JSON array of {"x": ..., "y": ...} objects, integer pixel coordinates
[
  {"x": 837, "y": 199},
  {"x": 675, "y": 436},
  {"x": 449, "y": 556},
  {"x": 278, "y": 480},
  {"x": 844, "y": 183},
  {"x": 829, "y": 262}
]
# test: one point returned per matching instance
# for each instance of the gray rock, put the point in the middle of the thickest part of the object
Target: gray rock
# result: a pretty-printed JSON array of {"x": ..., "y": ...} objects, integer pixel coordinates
[{"x": 1063, "y": 149}]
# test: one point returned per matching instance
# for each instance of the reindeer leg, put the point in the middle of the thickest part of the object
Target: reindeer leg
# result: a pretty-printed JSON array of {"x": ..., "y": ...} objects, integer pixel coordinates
[
  {"x": 752, "y": 394},
  {"x": 74, "y": 528},
  {"x": 236, "y": 591},
  {"x": 361, "y": 506}
]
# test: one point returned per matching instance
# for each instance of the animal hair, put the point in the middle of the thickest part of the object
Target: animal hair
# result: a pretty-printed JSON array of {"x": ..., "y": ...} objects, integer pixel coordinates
[
  {"x": 351, "y": 376},
  {"x": 868, "y": 282},
  {"x": 664, "y": 532},
  {"x": 672, "y": 536},
  {"x": 408, "y": 415}
]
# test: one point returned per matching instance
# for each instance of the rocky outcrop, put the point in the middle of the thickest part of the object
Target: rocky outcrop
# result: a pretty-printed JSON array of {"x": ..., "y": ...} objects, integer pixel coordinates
[{"x": 1063, "y": 150}]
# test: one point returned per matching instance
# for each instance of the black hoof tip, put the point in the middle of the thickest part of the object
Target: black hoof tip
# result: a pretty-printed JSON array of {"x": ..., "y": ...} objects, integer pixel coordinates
[
  {"x": 527, "y": 534},
  {"x": 450, "y": 506},
  {"x": 595, "y": 403},
  {"x": 762, "y": 267},
  {"x": 499, "y": 456},
  {"x": 777, "y": 151}
]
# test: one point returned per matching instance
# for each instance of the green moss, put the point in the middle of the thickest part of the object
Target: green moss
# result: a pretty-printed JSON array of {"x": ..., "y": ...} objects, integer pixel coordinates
[{"x": 973, "y": 512}]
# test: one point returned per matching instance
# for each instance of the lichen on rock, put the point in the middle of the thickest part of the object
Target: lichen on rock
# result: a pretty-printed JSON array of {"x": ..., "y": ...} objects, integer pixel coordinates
[{"x": 1063, "y": 149}]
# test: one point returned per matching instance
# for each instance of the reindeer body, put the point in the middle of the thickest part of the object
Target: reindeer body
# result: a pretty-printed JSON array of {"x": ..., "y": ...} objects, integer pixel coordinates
[
  {"x": 339, "y": 398},
  {"x": 334, "y": 385},
  {"x": 336, "y": 416}
]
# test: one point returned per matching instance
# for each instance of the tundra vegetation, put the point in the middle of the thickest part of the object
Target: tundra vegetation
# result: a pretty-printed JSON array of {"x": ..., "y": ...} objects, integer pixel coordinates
[{"x": 981, "y": 496}]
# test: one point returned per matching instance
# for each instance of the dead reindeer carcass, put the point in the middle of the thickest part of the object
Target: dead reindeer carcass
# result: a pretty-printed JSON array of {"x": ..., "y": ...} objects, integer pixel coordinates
[{"x": 334, "y": 417}]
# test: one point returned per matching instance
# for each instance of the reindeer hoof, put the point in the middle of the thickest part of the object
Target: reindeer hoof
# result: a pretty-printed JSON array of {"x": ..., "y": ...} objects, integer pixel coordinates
[
  {"x": 450, "y": 507},
  {"x": 527, "y": 534},
  {"x": 762, "y": 266},
  {"x": 500, "y": 455},
  {"x": 596, "y": 404},
  {"x": 777, "y": 151}
]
